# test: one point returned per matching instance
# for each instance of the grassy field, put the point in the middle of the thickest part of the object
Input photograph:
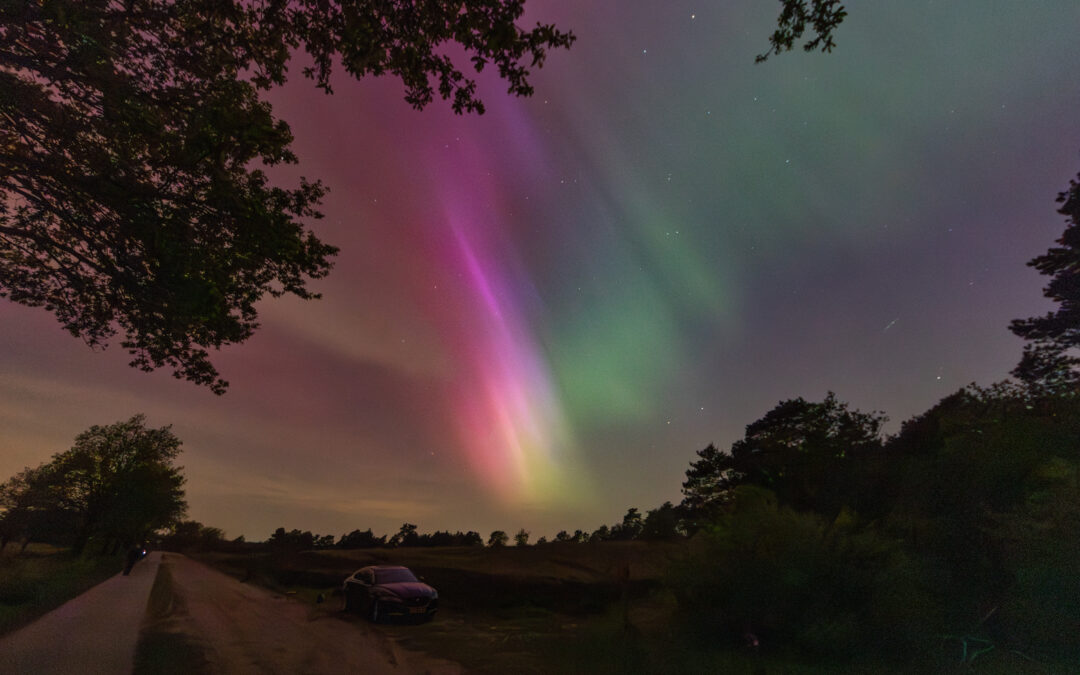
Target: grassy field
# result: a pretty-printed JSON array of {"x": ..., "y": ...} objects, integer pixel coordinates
[
  {"x": 558, "y": 608},
  {"x": 42, "y": 578}
]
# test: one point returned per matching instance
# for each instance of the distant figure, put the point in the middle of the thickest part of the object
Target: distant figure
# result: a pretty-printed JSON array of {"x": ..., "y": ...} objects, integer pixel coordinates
[
  {"x": 134, "y": 555},
  {"x": 751, "y": 640}
]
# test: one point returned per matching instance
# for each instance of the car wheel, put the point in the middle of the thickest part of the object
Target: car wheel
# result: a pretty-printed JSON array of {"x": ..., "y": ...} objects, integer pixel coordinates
[{"x": 373, "y": 613}]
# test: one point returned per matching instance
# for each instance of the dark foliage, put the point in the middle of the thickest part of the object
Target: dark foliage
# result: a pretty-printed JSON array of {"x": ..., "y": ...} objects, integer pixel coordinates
[
  {"x": 191, "y": 535},
  {"x": 821, "y": 16},
  {"x": 962, "y": 525},
  {"x": 798, "y": 579},
  {"x": 663, "y": 522},
  {"x": 116, "y": 484},
  {"x": 498, "y": 538},
  {"x": 1050, "y": 356},
  {"x": 133, "y": 142},
  {"x": 358, "y": 539},
  {"x": 802, "y": 451}
]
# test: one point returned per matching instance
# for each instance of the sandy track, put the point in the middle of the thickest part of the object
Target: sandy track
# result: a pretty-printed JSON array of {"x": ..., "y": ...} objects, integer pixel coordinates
[{"x": 247, "y": 629}]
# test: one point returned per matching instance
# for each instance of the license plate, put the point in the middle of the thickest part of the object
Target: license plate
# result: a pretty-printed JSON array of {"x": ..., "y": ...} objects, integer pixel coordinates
[{"x": 417, "y": 610}]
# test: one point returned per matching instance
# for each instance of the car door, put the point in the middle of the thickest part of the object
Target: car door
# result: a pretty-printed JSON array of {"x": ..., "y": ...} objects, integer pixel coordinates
[
  {"x": 367, "y": 583},
  {"x": 356, "y": 590}
]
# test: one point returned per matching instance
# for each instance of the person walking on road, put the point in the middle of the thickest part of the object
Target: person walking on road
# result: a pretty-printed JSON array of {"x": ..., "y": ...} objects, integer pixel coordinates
[{"x": 135, "y": 554}]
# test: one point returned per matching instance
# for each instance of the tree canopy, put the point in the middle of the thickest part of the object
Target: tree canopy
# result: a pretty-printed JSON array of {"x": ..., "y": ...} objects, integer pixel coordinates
[
  {"x": 498, "y": 538},
  {"x": 797, "y": 449},
  {"x": 133, "y": 143},
  {"x": 117, "y": 483},
  {"x": 1050, "y": 355}
]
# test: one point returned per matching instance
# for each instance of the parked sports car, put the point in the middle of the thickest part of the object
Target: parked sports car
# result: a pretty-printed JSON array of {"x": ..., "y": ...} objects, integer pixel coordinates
[{"x": 382, "y": 591}]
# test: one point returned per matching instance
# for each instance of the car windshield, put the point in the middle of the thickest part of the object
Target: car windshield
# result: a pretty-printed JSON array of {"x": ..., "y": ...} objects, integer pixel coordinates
[{"x": 393, "y": 576}]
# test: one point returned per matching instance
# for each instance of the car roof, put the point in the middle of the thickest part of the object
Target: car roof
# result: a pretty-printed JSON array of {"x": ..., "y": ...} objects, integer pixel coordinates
[{"x": 380, "y": 567}]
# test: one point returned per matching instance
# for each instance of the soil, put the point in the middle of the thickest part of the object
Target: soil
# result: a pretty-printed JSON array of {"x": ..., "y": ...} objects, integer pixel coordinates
[{"x": 242, "y": 628}]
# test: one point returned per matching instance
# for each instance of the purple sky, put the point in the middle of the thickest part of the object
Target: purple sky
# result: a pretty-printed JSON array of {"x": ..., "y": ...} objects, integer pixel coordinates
[{"x": 539, "y": 315}]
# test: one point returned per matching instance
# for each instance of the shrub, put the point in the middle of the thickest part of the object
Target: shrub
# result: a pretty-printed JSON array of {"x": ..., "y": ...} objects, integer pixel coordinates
[{"x": 797, "y": 579}]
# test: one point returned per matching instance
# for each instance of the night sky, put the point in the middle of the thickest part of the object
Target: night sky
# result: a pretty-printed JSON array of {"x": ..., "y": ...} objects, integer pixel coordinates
[{"x": 539, "y": 315}]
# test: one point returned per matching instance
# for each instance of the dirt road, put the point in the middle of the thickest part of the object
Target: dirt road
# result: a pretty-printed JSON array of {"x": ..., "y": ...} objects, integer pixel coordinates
[
  {"x": 242, "y": 628},
  {"x": 93, "y": 634}
]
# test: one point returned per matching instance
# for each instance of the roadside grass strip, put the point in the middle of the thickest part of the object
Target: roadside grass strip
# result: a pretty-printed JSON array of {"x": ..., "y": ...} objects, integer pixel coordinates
[{"x": 38, "y": 581}]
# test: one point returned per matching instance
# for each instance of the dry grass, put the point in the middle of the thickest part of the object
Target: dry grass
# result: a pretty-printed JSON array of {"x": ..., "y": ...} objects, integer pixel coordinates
[
  {"x": 559, "y": 608},
  {"x": 41, "y": 578}
]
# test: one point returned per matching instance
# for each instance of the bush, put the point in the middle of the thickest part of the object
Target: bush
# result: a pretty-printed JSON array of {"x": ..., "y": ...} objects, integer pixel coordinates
[{"x": 796, "y": 579}]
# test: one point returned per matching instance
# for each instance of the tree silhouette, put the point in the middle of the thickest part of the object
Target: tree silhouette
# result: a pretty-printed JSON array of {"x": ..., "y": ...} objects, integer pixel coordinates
[
  {"x": 29, "y": 509},
  {"x": 630, "y": 527},
  {"x": 821, "y": 16},
  {"x": 498, "y": 538},
  {"x": 133, "y": 140},
  {"x": 521, "y": 538},
  {"x": 358, "y": 539},
  {"x": 291, "y": 540},
  {"x": 406, "y": 536},
  {"x": 1049, "y": 357},
  {"x": 709, "y": 482},
  {"x": 602, "y": 533},
  {"x": 799, "y": 449},
  {"x": 117, "y": 483},
  {"x": 661, "y": 522},
  {"x": 191, "y": 534}
]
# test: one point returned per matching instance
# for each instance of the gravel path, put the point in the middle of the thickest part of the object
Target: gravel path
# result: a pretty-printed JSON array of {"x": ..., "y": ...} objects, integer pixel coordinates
[
  {"x": 243, "y": 628},
  {"x": 92, "y": 634}
]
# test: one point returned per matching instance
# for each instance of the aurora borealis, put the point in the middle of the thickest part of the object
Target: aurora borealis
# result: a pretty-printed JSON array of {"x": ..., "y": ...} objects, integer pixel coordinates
[{"x": 540, "y": 314}]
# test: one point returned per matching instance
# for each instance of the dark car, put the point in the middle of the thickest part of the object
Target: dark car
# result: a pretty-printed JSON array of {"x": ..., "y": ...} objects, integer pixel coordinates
[{"x": 382, "y": 591}]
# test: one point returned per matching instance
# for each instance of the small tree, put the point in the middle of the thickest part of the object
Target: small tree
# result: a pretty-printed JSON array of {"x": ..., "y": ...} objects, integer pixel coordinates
[
  {"x": 29, "y": 509},
  {"x": 661, "y": 523},
  {"x": 602, "y": 533},
  {"x": 358, "y": 539},
  {"x": 498, "y": 538},
  {"x": 521, "y": 538},
  {"x": 406, "y": 536},
  {"x": 630, "y": 527},
  {"x": 1050, "y": 356}
]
